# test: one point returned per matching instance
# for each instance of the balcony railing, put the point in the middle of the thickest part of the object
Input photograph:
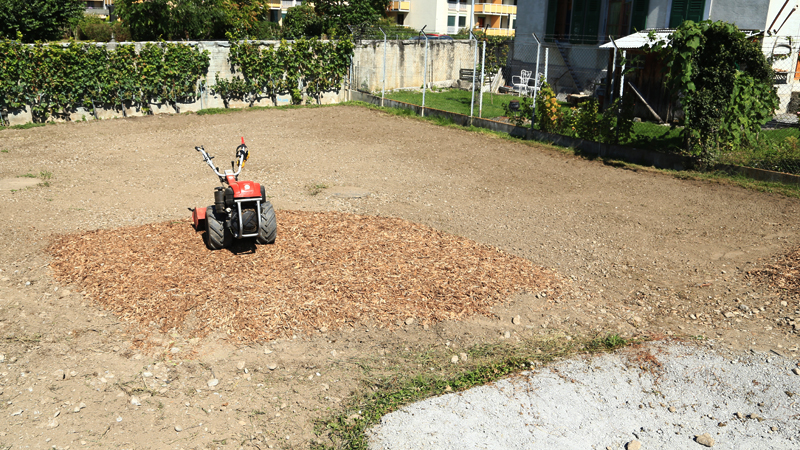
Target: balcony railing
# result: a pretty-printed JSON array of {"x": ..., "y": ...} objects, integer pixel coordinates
[
  {"x": 399, "y": 6},
  {"x": 456, "y": 6},
  {"x": 497, "y": 31},
  {"x": 290, "y": 3},
  {"x": 452, "y": 30},
  {"x": 274, "y": 4},
  {"x": 494, "y": 8}
]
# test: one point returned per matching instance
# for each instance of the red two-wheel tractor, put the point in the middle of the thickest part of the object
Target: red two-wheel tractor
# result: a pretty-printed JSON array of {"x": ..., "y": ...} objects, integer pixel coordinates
[{"x": 240, "y": 208}]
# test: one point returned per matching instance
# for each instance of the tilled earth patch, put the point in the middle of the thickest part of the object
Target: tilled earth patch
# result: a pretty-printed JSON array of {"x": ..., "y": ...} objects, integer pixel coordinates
[{"x": 326, "y": 270}]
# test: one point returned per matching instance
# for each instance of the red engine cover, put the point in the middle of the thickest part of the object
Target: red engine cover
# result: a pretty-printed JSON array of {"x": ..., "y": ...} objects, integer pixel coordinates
[{"x": 244, "y": 189}]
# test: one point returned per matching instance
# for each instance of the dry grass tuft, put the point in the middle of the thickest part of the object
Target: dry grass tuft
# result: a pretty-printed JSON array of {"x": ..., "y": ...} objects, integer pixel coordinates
[{"x": 326, "y": 270}]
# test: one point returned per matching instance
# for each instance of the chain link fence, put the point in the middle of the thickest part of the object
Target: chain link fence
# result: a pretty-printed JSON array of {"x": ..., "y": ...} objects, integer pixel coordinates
[{"x": 575, "y": 72}]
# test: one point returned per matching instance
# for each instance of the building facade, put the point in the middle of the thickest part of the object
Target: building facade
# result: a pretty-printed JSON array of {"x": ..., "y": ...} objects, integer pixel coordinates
[{"x": 497, "y": 17}]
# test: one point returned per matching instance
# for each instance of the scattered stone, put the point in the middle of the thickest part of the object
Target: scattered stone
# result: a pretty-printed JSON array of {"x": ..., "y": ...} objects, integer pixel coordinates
[
  {"x": 147, "y": 374},
  {"x": 722, "y": 424},
  {"x": 796, "y": 371},
  {"x": 53, "y": 423},
  {"x": 704, "y": 439},
  {"x": 267, "y": 351},
  {"x": 135, "y": 401},
  {"x": 507, "y": 334},
  {"x": 755, "y": 417},
  {"x": 80, "y": 407},
  {"x": 59, "y": 375},
  {"x": 272, "y": 366},
  {"x": 240, "y": 365},
  {"x": 463, "y": 356},
  {"x": 633, "y": 445},
  {"x": 213, "y": 382},
  {"x": 178, "y": 428},
  {"x": 73, "y": 373},
  {"x": 175, "y": 350},
  {"x": 16, "y": 413},
  {"x": 784, "y": 303},
  {"x": 454, "y": 359},
  {"x": 2, "y": 358},
  {"x": 516, "y": 320},
  {"x": 119, "y": 418},
  {"x": 739, "y": 415},
  {"x": 773, "y": 428},
  {"x": 409, "y": 321},
  {"x": 729, "y": 314},
  {"x": 672, "y": 409}
]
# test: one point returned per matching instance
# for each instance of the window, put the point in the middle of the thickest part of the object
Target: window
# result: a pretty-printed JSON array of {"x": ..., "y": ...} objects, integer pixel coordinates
[
  {"x": 578, "y": 21},
  {"x": 683, "y": 10},
  {"x": 400, "y": 19},
  {"x": 462, "y": 21},
  {"x": 275, "y": 15},
  {"x": 451, "y": 21}
]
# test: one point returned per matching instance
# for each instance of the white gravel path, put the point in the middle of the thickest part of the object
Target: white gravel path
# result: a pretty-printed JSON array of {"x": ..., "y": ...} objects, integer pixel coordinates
[{"x": 607, "y": 401}]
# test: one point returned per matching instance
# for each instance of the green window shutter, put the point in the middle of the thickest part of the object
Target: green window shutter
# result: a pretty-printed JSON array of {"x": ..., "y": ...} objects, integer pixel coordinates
[
  {"x": 591, "y": 21},
  {"x": 462, "y": 21},
  {"x": 639, "y": 15},
  {"x": 577, "y": 28},
  {"x": 451, "y": 21},
  {"x": 696, "y": 9},
  {"x": 683, "y": 10},
  {"x": 552, "y": 13}
]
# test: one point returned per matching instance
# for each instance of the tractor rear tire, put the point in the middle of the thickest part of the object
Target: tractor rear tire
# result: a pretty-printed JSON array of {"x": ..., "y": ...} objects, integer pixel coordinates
[
  {"x": 217, "y": 235},
  {"x": 269, "y": 225}
]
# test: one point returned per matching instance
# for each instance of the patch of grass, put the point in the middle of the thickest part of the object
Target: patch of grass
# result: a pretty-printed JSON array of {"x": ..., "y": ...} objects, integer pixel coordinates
[
  {"x": 314, "y": 189},
  {"x": 27, "y": 175},
  {"x": 24, "y": 126},
  {"x": 411, "y": 382},
  {"x": 4, "y": 151},
  {"x": 457, "y": 100}
]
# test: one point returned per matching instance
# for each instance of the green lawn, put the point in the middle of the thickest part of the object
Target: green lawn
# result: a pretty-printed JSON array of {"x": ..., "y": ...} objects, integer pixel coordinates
[
  {"x": 457, "y": 101},
  {"x": 777, "y": 150}
]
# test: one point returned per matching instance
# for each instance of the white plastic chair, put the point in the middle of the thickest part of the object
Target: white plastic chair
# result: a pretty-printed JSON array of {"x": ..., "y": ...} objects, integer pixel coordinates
[{"x": 521, "y": 81}]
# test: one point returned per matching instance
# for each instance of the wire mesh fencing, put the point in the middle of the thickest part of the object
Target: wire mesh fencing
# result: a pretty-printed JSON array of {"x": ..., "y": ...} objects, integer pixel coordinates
[{"x": 439, "y": 74}]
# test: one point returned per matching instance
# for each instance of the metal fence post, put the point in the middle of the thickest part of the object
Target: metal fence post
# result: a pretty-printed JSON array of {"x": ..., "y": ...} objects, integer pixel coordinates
[
  {"x": 483, "y": 67},
  {"x": 474, "y": 63},
  {"x": 424, "y": 71},
  {"x": 383, "y": 88},
  {"x": 536, "y": 80}
]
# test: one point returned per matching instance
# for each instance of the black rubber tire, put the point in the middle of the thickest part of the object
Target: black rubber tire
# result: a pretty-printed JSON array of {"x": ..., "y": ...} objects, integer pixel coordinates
[
  {"x": 217, "y": 235},
  {"x": 269, "y": 225}
]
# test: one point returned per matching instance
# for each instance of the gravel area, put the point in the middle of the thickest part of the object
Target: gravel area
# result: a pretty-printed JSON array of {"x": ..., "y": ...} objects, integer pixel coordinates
[{"x": 664, "y": 395}]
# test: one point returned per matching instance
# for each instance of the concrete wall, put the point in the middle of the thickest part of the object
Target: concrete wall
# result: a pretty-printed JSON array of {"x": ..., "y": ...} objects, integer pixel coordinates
[
  {"x": 746, "y": 14},
  {"x": 405, "y": 61},
  {"x": 218, "y": 53}
]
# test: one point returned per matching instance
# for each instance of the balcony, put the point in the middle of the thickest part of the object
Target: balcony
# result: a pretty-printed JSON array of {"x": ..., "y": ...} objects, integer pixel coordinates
[
  {"x": 495, "y": 8},
  {"x": 274, "y": 4},
  {"x": 286, "y": 4},
  {"x": 497, "y": 31},
  {"x": 456, "y": 6},
  {"x": 399, "y": 6}
]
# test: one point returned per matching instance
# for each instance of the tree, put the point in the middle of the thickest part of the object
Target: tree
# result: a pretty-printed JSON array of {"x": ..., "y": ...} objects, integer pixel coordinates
[
  {"x": 38, "y": 20},
  {"x": 726, "y": 84},
  {"x": 301, "y": 21},
  {"x": 190, "y": 19},
  {"x": 337, "y": 14}
]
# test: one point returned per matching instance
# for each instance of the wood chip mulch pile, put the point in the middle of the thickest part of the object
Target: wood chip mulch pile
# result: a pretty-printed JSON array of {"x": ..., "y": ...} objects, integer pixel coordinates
[
  {"x": 326, "y": 270},
  {"x": 784, "y": 274}
]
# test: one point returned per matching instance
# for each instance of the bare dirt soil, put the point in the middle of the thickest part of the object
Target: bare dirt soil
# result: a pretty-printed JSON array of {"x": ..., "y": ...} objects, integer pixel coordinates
[{"x": 637, "y": 252}]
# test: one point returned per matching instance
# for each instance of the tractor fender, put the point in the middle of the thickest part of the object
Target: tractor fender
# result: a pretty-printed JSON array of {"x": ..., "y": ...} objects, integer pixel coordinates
[{"x": 199, "y": 217}]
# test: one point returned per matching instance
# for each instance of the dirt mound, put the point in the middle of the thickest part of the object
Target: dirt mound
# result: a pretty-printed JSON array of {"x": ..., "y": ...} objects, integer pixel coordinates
[{"x": 325, "y": 270}]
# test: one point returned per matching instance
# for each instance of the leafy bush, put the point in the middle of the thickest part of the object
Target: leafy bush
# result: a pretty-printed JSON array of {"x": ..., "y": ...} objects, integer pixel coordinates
[
  {"x": 726, "y": 83},
  {"x": 265, "y": 30},
  {"x": 54, "y": 80}
]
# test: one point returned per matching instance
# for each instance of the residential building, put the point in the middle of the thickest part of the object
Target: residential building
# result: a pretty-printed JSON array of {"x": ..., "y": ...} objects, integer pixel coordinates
[
  {"x": 278, "y": 9},
  {"x": 98, "y": 7},
  {"x": 573, "y": 30},
  {"x": 497, "y": 17}
]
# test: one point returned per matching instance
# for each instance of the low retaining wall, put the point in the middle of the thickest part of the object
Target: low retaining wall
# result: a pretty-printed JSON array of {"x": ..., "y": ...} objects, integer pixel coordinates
[{"x": 633, "y": 155}]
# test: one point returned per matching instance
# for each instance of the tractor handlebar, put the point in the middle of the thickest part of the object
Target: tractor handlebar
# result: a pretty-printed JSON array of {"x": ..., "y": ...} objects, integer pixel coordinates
[{"x": 242, "y": 154}]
